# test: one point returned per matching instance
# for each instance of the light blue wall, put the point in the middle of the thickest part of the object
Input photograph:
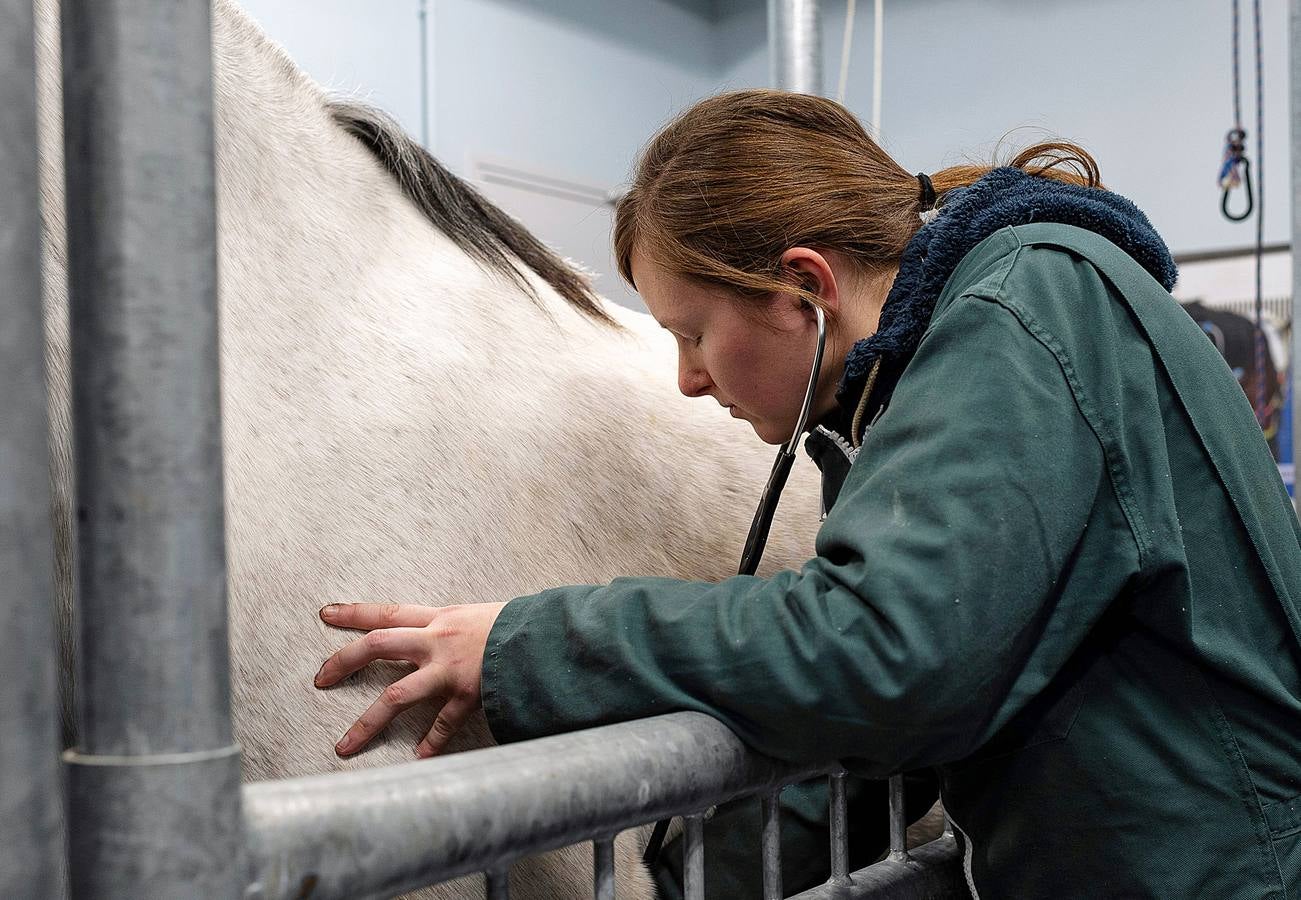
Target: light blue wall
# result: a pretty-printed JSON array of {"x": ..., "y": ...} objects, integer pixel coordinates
[
  {"x": 1143, "y": 84},
  {"x": 575, "y": 87},
  {"x": 371, "y": 49},
  {"x": 572, "y": 87}
]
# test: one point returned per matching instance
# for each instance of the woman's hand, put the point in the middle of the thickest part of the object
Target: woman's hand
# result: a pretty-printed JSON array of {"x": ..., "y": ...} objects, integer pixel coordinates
[{"x": 445, "y": 643}]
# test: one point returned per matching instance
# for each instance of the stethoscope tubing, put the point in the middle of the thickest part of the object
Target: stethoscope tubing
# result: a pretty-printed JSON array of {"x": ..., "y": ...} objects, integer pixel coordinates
[{"x": 757, "y": 539}]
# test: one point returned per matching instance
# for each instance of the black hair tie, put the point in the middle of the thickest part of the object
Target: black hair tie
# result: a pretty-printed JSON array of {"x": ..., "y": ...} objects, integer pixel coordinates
[{"x": 927, "y": 198}]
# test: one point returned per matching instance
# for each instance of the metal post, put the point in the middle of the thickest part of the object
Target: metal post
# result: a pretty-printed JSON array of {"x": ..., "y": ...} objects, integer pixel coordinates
[
  {"x": 31, "y": 864},
  {"x": 795, "y": 45},
  {"x": 1294, "y": 46},
  {"x": 693, "y": 862},
  {"x": 422, "y": 15},
  {"x": 770, "y": 849},
  {"x": 154, "y": 782},
  {"x": 878, "y": 66},
  {"x": 603, "y": 869},
  {"x": 839, "y": 828},
  {"x": 898, "y": 820}
]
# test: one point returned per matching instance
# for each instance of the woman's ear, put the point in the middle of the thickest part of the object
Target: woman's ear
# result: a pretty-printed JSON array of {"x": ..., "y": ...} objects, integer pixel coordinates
[{"x": 813, "y": 272}]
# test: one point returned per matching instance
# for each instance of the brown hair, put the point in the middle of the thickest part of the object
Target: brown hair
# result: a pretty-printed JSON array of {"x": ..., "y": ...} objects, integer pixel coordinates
[{"x": 732, "y": 183}]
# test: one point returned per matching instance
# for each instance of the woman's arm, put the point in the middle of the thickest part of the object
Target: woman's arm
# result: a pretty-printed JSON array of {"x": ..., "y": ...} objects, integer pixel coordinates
[
  {"x": 931, "y": 615},
  {"x": 957, "y": 573}
]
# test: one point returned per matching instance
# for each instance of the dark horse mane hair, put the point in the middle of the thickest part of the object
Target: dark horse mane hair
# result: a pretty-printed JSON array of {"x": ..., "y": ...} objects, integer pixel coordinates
[{"x": 480, "y": 229}]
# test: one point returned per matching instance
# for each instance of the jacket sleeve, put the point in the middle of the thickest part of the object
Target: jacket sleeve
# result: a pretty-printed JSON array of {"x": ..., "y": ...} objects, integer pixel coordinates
[{"x": 930, "y": 615}]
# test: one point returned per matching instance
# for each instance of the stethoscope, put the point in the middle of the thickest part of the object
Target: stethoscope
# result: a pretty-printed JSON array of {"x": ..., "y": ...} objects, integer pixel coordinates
[
  {"x": 781, "y": 466},
  {"x": 757, "y": 539}
]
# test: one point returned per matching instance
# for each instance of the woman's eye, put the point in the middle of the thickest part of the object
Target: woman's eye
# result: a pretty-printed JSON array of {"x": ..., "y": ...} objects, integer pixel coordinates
[{"x": 696, "y": 340}]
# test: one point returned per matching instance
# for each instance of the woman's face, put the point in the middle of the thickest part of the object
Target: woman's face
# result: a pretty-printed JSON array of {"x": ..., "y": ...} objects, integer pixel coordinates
[{"x": 754, "y": 360}]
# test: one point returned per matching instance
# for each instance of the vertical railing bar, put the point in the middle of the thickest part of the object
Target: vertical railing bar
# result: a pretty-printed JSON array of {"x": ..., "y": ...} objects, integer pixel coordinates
[
  {"x": 154, "y": 782},
  {"x": 898, "y": 820},
  {"x": 497, "y": 884},
  {"x": 693, "y": 858},
  {"x": 30, "y": 790},
  {"x": 771, "y": 846},
  {"x": 1294, "y": 65},
  {"x": 603, "y": 869},
  {"x": 839, "y": 828}
]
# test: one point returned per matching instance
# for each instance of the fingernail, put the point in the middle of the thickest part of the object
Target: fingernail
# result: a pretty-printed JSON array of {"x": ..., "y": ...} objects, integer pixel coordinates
[
  {"x": 330, "y": 610},
  {"x": 423, "y": 751},
  {"x": 344, "y": 745},
  {"x": 316, "y": 680}
]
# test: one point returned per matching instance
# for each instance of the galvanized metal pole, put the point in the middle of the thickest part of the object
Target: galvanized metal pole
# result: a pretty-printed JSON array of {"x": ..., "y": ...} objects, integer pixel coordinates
[
  {"x": 878, "y": 66},
  {"x": 31, "y": 864},
  {"x": 154, "y": 783},
  {"x": 422, "y": 14},
  {"x": 1294, "y": 49},
  {"x": 795, "y": 45}
]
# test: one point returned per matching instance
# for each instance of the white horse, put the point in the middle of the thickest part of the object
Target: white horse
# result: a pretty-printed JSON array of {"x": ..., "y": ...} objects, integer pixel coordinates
[{"x": 406, "y": 421}]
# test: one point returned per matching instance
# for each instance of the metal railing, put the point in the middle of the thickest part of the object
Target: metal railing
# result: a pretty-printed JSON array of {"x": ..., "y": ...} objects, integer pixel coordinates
[{"x": 393, "y": 829}]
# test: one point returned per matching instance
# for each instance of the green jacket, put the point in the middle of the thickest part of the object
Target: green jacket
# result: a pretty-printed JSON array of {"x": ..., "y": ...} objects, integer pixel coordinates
[{"x": 1062, "y": 571}]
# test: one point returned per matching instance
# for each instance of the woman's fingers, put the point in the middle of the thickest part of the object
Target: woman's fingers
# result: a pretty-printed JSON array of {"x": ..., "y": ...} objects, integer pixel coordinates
[
  {"x": 408, "y": 644},
  {"x": 425, "y": 684},
  {"x": 449, "y": 721},
  {"x": 447, "y": 646},
  {"x": 369, "y": 616}
]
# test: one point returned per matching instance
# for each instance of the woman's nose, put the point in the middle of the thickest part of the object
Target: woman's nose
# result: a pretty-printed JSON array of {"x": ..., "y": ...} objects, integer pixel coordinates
[{"x": 693, "y": 380}]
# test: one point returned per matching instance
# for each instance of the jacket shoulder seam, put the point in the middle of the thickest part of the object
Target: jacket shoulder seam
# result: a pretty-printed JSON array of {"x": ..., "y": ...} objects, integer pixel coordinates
[{"x": 1117, "y": 473}]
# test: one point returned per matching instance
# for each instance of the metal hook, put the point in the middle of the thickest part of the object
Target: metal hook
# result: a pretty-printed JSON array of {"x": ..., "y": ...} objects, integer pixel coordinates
[{"x": 1246, "y": 183}]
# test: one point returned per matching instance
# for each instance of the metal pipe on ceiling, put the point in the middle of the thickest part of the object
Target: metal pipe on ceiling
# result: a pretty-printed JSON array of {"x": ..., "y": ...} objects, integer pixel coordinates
[{"x": 795, "y": 45}]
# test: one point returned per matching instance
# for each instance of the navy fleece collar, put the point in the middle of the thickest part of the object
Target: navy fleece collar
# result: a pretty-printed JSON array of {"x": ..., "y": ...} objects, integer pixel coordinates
[{"x": 1006, "y": 196}]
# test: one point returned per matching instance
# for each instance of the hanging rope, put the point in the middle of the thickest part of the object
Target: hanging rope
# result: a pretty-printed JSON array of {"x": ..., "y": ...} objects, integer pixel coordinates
[
  {"x": 1260, "y": 401},
  {"x": 846, "y": 46},
  {"x": 1235, "y": 171}
]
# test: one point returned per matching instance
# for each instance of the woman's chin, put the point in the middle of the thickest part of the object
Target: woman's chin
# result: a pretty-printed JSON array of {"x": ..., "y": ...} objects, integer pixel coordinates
[{"x": 768, "y": 433}]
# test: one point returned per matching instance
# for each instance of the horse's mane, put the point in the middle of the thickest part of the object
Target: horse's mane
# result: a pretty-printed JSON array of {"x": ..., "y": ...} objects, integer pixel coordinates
[{"x": 475, "y": 225}]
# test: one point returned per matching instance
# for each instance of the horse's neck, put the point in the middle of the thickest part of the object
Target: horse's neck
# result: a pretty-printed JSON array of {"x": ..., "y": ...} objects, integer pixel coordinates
[
  {"x": 327, "y": 226},
  {"x": 359, "y": 343}
]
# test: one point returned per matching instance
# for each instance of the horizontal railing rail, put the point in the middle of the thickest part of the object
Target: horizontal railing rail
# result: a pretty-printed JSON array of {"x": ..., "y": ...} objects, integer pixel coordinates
[{"x": 379, "y": 832}]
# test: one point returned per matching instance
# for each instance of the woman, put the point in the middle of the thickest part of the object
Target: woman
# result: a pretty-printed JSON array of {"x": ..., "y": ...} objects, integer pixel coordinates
[{"x": 1058, "y": 565}]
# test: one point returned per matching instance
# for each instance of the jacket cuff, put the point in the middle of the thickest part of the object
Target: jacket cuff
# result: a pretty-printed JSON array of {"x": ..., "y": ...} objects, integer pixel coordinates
[{"x": 508, "y": 719}]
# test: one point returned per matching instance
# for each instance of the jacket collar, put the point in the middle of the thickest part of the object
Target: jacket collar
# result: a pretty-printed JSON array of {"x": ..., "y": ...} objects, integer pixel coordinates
[{"x": 1004, "y": 197}]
